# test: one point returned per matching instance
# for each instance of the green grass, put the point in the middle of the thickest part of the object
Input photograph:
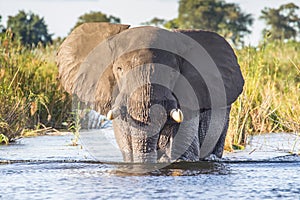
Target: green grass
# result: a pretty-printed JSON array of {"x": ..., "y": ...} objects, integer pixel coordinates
[{"x": 32, "y": 99}]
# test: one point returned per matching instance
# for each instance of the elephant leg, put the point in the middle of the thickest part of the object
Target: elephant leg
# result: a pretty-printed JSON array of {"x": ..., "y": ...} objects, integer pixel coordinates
[
  {"x": 219, "y": 124},
  {"x": 185, "y": 143},
  {"x": 219, "y": 148}
]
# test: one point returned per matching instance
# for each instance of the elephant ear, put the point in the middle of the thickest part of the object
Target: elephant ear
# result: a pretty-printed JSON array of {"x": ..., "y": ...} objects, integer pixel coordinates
[
  {"x": 214, "y": 73},
  {"x": 77, "y": 74}
]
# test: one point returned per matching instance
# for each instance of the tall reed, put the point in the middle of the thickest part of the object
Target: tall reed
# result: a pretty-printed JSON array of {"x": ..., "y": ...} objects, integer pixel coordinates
[
  {"x": 30, "y": 94},
  {"x": 270, "y": 101}
]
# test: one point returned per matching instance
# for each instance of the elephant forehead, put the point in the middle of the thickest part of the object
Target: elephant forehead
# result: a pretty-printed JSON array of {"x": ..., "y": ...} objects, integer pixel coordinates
[
  {"x": 146, "y": 56},
  {"x": 145, "y": 38},
  {"x": 133, "y": 58}
]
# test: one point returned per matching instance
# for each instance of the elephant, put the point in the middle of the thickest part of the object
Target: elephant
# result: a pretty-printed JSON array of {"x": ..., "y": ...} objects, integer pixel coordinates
[{"x": 167, "y": 92}]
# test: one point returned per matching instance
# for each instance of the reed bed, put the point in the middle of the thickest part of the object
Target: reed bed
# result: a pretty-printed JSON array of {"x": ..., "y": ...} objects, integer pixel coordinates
[
  {"x": 30, "y": 94},
  {"x": 270, "y": 101}
]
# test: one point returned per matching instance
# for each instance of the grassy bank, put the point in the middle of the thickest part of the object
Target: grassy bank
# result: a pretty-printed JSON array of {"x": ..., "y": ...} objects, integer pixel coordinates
[{"x": 31, "y": 97}]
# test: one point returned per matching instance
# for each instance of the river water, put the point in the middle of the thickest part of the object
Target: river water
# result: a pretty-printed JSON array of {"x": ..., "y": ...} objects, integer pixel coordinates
[{"x": 48, "y": 167}]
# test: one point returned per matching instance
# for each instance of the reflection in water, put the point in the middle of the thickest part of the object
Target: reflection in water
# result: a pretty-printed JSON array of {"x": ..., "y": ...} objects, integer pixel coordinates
[
  {"x": 170, "y": 169},
  {"x": 136, "y": 169}
]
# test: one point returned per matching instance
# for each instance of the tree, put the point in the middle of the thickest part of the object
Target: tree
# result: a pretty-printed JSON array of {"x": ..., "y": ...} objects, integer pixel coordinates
[
  {"x": 215, "y": 15},
  {"x": 282, "y": 23},
  {"x": 29, "y": 28},
  {"x": 96, "y": 17},
  {"x": 172, "y": 24},
  {"x": 1, "y": 26},
  {"x": 158, "y": 22},
  {"x": 155, "y": 22}
]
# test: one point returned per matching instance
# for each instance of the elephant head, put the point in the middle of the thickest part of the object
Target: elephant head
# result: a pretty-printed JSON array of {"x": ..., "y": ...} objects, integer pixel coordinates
[{"x": 154, "y": 84}]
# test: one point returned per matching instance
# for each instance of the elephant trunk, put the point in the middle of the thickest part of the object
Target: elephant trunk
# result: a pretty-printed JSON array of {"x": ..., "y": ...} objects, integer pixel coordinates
[
  {"x": 144, "y": 147},
  {"x": 138, "y": 104}
]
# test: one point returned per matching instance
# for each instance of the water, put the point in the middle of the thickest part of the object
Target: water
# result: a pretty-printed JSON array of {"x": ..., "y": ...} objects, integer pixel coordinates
[{"x": 47, "y": 167}]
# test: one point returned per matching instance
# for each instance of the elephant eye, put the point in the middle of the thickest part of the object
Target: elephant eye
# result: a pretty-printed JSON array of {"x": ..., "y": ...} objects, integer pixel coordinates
[{"x": 119, "y": 69}]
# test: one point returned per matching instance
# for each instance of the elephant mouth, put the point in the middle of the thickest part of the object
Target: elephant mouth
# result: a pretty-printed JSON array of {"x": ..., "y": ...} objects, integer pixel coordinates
[
  {"x": 158, "y": 113},
  {"x": 150, "y": 105}
]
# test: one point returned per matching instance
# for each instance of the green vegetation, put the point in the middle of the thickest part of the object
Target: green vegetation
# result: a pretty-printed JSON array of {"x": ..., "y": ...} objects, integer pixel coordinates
[
  {"x": 1, "y": 26},
  {"x": 74, "y": 125},
  {"x": 282, "y": 23},
  {"x": 30, "y": 94},
  {"x": 96, "y": 17},
  {"x": 270, "y": 101},
  {"x": 215, "y": 15},
  {"x": 29, "y": 28}
]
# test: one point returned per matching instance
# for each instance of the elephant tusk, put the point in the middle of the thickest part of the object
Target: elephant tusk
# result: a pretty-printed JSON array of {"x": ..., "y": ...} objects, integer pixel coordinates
[
  {"x": 112, "y": 114},
  {"x": 177, "y": 115}
]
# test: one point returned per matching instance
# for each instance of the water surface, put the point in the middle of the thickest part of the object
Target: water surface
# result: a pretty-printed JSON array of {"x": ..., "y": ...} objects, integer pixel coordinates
[{"x": 47, "y": 167}]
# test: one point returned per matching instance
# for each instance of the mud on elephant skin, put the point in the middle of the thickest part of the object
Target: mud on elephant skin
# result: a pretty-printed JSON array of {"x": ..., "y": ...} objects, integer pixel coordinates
[{"x": 168, "y": 92}]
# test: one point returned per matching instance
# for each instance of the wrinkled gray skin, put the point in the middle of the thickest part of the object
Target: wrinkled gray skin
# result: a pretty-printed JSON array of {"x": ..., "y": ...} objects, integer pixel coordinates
[
  {"x": 131, "y": 87},
  {"x": 138, "y": 140}
]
